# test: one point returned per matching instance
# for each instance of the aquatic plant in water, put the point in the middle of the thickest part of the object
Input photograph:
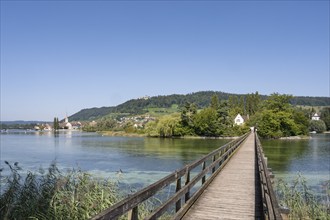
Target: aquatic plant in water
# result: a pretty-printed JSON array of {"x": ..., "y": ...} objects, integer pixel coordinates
[
  {"x": 52, "y": 194},
  {"x": 303, "y": 202}
]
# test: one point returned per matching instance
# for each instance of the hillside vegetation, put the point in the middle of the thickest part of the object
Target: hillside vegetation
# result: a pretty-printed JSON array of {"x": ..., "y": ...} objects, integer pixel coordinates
[
  {"x": 161, "y": 104},
  {"x": 274, "y": 116}
]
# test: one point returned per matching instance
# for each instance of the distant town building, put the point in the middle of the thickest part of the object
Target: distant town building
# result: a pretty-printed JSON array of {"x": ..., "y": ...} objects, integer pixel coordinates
[
  {"x": 315, "y": 117},
  {"x": 145, "y": 97},
  {"x": 93, "y": 123},
  {"x": 47, "y": 127},
  {"x": 68, "y": 125},
  {"x": 76, "y": 125}
]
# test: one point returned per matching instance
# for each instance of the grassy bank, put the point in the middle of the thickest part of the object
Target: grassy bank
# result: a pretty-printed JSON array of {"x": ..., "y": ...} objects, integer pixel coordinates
[
  {"x": 125, "y": 134},
  {"x": 121, "y": 134}
]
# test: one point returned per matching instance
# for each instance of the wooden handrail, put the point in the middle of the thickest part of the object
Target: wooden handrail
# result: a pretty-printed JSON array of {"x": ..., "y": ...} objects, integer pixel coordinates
[
  {"x": 216, "y": 160},
  {"x": 271, "y": 208}
]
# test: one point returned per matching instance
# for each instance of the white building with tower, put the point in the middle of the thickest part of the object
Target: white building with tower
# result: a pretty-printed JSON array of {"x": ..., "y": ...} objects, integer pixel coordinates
[{"x": 68, "y": 125}]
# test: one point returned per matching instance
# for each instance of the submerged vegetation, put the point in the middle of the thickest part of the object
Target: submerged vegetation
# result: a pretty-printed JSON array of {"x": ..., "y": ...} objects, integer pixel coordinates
[{"x": 302, "y": 201}]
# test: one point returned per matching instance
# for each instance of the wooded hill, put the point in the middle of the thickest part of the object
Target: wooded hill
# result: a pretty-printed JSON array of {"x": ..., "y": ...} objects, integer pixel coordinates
[{"x": 201, "y": 99}]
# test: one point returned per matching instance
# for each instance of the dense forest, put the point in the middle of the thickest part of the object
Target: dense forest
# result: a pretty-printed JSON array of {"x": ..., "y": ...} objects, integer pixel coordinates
[{"x": 201, "y": 100}]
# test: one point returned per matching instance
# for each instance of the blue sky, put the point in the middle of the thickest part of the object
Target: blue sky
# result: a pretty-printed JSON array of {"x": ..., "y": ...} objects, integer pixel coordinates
[{"x": 59, "y": 57}]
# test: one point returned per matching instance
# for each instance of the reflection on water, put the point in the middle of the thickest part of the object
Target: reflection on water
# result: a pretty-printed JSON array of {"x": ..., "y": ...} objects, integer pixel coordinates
[
  {"x": 145, "y": 160},
  {"x": 141, "y": 160},
  {"x": 310, "y": 157}
]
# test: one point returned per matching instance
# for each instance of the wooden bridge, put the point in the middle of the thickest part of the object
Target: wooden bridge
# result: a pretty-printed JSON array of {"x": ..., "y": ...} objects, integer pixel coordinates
[{"x": 232, "y": 182}]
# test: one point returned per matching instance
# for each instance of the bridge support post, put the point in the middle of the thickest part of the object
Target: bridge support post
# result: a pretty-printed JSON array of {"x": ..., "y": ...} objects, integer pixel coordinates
[
  {"x": 187, "y": 195},
  {"x": 178, "y": 187},
  {"x": 133, "y": 214},
  {"x": 213, "y": 169},
  {"x": 203, "y": 168},
  {"x": 221, "y": 155}
]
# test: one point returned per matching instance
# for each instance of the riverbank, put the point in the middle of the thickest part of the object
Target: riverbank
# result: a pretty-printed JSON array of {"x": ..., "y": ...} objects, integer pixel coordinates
[
  {"x": 124, "y": 134},
  {"x": 120, "y": 134},
  {"x": 296, "y": 138}
]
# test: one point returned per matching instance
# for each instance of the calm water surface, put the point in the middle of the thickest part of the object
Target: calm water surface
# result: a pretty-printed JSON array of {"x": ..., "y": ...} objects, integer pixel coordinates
[
  {"x": 310, "y": 157},
  {"x": 145, "y": 160},
  {"x": 141, "y": 160}
]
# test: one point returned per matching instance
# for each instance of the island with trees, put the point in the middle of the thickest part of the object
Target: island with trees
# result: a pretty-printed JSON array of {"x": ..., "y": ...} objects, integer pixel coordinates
[{"x": 211, "y": 114}]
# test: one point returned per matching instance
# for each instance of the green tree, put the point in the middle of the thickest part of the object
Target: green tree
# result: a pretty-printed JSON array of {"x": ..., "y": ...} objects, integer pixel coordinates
[
  {"x": 242, "y": 104},
  {"x": 325, "y": 116},
  {"x": 150, "y": 129},
  {"x": 278, "y": 118},
  {"x": 206, "y": 122},
  {"x": 169, "y": 126},
  {"x": 288, "y": 127},
  {"x": 215, "y": 102},
  {"x": 268, "y": 125},
  {"x": 56, "y": 124},
  {"x": 252, "y": 103},
  {"x": 301, "y": 119},
  {"x": 233, "y": 101},
  {"x": 188, "y": 113},
  {"x": 234, "y": 107},
  {"x": 223, "y": 114},
  {"x": 106, "y": 124},
  {"x": 277, "y": 102},
  {"x": 317, "y": 125}
]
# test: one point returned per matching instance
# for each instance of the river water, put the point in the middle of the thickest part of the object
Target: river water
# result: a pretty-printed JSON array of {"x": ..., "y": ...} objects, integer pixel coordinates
[
  {"x": 141, "y": 161},
  {"x": 136, "y": 161},
  {"x": 309, "y": 157}
]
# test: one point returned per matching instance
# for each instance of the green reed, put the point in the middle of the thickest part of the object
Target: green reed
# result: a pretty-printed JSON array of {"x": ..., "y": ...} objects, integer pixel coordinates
[
  {"x": 302, "y": 201},
  {"x": 52, "y": 194}
]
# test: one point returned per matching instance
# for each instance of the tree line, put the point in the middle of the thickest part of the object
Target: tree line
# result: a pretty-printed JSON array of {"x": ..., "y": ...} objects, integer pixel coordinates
[
  {"x": 274, "y": 117},
  {"x": 201, "y": 100}
]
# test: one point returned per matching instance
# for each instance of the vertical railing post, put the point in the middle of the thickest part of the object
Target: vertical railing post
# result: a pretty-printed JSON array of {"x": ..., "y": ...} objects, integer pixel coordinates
[
  {"x": 133, "y": 214},
  {"x": 203, "y": 168},
  {"x": 178, "y": 187},
  {"x": 221, "y": 155},
  {"x": 213, "y": 169},
  {"x": 187, "y": 195}
]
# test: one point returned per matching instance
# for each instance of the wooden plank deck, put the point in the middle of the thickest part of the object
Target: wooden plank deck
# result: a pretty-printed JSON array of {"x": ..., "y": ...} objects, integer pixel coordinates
[{"x": 235, "y": 192}]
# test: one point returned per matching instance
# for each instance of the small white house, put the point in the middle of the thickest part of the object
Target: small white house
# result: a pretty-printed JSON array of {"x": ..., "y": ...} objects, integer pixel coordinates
[
  {"x": 239, "y": 120},
  {"x": 315, "y": 117}
]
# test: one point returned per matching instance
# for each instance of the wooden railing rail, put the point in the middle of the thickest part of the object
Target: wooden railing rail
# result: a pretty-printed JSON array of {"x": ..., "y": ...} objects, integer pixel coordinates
[
  {"x": 184, "y": 197},
  {"x": 271, "y": 208}
]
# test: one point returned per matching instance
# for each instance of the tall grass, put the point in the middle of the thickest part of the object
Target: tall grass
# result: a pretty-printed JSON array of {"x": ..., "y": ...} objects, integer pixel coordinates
[
  {"x": 302, "y": 201},
  {"x": 51, "y": 194}
]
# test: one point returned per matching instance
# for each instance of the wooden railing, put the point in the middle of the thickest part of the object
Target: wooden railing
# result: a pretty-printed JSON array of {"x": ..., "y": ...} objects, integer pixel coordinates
[
  {"x": 184, "y": 196},
  {"x": 271, "y": 208}
]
